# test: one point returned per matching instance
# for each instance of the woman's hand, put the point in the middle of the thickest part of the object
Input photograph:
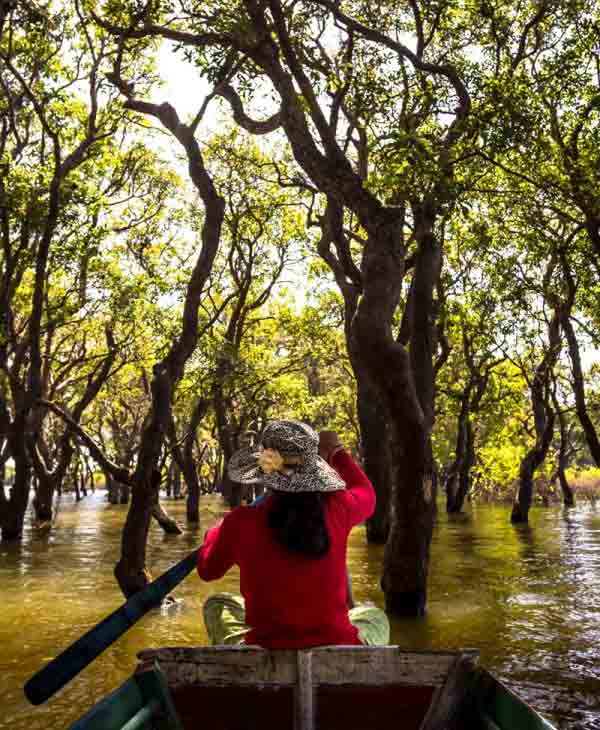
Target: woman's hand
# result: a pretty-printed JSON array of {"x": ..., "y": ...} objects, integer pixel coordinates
[{"x": 328, "y": 442}]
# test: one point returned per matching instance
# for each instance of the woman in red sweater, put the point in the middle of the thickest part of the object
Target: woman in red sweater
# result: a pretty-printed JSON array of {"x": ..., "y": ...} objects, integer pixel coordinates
[{"x": 291, "y": 547}]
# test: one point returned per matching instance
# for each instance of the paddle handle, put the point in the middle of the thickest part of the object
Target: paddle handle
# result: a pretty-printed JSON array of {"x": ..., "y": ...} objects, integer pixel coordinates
[{"x": 84, "y": 650}]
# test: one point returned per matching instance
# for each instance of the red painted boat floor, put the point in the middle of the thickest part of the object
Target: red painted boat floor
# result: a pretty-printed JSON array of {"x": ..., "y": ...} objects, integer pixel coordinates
[{"x": 344, "y": 707}]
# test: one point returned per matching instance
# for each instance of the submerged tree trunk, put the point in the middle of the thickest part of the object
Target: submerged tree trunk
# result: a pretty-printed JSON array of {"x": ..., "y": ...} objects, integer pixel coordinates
[
  {"x": 13, "y": 507},
  {"x": 164, "y": 519},
  {"x": 370, "y": 406},
  {"x": 563, "y": 454},
  {"x": 532, "y": 461},
  {"x": 49, "y": 482},
  {"x": 81, "y": 488},
  {"x": 405, "y": 383},
  {"x": 395, "y": 396},
  {"x": 464, "y": 481},
  {"x": 188, "y": 464},
  {"x": 406, "y": 556},
  {"x": 192, "y": 505},
  {"x": 130, "y": 571},
  {"x": 458, "y": 484},
  {"x": 43, "y": 499},
  {"x": 112, "y": 490},
  {"x": 456, "y": 472},
  {"x": 567, "y": 492},
  {"x": 176, "y": 481},
  {"x": 190, "y": 468},
  {"x": 543, "y": 417},
  {"x": 124, "y": 493},
  {"x": 232, "y": 491},
  {"x": 411, "y": 406},
  {"x": 192, "y": 480},
  {"x": 376, "y": 458}
]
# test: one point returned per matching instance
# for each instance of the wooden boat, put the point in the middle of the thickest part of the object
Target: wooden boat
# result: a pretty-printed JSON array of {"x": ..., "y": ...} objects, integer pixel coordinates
[{"x": 326, "y": 688}]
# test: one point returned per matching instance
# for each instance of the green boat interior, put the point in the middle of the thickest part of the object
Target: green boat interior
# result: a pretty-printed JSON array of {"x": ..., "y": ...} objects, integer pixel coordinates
[{"x": 350, "y": 688}]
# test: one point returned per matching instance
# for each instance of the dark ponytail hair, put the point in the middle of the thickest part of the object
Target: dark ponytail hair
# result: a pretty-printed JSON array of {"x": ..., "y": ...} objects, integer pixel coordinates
[{"x": 298, "y": 521}]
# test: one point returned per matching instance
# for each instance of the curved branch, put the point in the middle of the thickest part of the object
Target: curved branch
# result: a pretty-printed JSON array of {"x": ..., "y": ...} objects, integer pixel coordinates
[
  {"x": 118, "y": 473},
  {"x": 161, "y": 31},
  {"x": 536, "y": 20},
  {"x": 346, "y": 273},
  {"x": 306, "y": 87},
  {"x": 250, "y": 125}
]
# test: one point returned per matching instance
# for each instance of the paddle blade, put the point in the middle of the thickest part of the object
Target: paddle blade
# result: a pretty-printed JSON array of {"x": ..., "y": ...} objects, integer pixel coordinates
[{"x": 84, "y": 650}]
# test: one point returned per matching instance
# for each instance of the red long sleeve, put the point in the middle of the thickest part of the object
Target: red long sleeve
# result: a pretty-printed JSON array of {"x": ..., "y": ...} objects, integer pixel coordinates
[
  {"x": 215, "y": 557},
  {"x": 359, "y": 496}
]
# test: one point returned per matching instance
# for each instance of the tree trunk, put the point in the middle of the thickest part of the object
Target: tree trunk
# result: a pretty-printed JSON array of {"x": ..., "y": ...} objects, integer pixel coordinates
[
  {"x": 370, "y": 406},
  {"x": 411, "y": 396},
  {"x": 532, "y": 461},
  {"x": 376, "y": 458},
  {"x": 168, "y": 524},
  {"x": 464, "y": 481},
  {"x": 406, "y": 556},
  {"x": 543, "y": 417},
  {"x": 192, "y": 506},
  {"x": 176, "y": 481},
  {"x": 124, "y": 493},
  {"x": 44, "y": 496},
  {"x": 169, "y": 483},
  {"x": 454, "y": 503},
  {"x": 188, "y": 463},
  {"x": 232, "y": 491},
  {"x": 113, "y": 490},
  {"x": 130, "y": 571},
  {"x": 408, "y": 403},
  {"x": 12, "y": 509},
  {"x": 577, "y": 381},
  {"x": 190, "y": 475},
  {"x": 568, "y": 496},
  {"x": 563, "y": 454}
]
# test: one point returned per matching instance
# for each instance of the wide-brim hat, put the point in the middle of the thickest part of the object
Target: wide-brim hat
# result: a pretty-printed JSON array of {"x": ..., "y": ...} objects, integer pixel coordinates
[{"x": 286, "y": 459}]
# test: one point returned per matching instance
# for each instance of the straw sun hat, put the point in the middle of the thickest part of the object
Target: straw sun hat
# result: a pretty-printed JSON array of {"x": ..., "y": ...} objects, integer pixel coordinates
[{"x": 286, "y": 459}]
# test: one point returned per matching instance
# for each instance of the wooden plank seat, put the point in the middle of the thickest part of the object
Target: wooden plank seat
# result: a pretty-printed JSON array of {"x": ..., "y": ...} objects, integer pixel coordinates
[
  {"x": 355, "y": 688},
  {"x": 143, "y": 702}
]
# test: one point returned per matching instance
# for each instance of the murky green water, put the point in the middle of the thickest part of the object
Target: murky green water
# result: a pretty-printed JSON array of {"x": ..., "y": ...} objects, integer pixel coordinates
[{"x": 528, "y": 598}]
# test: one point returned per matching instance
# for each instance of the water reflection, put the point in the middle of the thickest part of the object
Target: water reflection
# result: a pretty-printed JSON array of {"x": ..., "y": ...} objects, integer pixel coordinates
[{"x": 527, "y": 597}]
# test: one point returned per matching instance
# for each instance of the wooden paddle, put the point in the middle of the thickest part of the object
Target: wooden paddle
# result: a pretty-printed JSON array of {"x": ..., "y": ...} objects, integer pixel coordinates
[{"x": 82, "y": 652}]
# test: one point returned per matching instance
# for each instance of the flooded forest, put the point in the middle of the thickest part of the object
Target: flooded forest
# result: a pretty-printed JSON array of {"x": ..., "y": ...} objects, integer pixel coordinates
[{"x": 378, "y": 218}]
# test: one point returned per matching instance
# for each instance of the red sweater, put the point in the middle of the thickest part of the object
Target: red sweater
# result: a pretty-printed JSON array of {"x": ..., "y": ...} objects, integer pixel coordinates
[{"x": 292, "y": 601}]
